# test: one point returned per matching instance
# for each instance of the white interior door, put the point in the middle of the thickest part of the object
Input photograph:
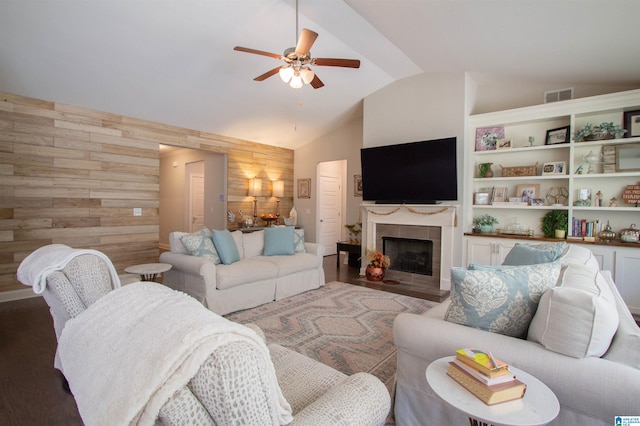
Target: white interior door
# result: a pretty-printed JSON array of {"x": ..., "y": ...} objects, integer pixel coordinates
[
  {"x": 329, "y": 212},
  {"x": 195, "y": 200}
]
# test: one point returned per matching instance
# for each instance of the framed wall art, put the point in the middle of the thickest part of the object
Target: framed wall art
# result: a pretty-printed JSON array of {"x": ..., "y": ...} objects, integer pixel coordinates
[
  {"x": 632, "y": 123},
  {"x": 486, "y": 137},
  {"x": 554, "y": 168},
  {"x": 556, "y": 136},
  {"x": 304, "y": 188},
  {"x": 503, "y": 144},
  {"x": 357, "y": 185},
  {"x": 500, "y": 194}
]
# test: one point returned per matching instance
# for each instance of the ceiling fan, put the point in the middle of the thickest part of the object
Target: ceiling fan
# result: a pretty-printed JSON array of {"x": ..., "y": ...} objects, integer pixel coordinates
[{"x": 297, "y": 60}]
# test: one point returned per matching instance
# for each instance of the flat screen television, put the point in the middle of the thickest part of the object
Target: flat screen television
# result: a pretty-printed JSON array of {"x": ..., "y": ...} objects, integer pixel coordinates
[{"x": 422, "y": 172}]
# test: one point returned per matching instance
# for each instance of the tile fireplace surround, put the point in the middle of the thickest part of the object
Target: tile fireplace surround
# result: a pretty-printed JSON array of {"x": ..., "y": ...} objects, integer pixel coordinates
[{"x": 437, "y": 215}]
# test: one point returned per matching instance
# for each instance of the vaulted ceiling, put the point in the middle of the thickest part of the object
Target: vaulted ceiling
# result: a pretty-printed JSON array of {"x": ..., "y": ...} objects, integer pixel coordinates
[{"x": 172, "y": 61}]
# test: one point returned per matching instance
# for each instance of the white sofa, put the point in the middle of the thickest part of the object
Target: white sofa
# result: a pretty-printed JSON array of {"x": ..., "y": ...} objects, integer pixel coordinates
[
  {"x": 591, "y": 389},
  {"x": 252, "y": 281}
]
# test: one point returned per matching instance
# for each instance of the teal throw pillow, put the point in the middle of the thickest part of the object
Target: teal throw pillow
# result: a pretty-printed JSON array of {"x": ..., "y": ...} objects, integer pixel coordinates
[
  {"x": 531, "y": 254},
  {"x": 298, "y": 241},
  {"x": 278, "y": 241},
  {"x": 501, "y": 301},
  {"x": 200, "y": 244},
  {"x": 226, "y": 247}
]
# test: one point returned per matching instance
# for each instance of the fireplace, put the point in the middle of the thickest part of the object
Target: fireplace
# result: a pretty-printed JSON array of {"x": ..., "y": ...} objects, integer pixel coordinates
[
  {"x": 409, "y": 255},
  {"x": 433, "y": 223}
]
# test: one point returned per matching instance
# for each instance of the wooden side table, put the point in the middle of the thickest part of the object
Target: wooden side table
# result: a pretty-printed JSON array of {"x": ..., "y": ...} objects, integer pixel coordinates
[
  {"x": 539, "y": 405},
  {"x": 354, "y": 251},
  {"x": 148, "y": 271}
]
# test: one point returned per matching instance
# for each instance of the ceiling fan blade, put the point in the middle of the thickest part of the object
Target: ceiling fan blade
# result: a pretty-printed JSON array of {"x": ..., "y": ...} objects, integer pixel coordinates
[
  {"x": 316, "y": 83},
  {"x": 257, "y": 52},
  {"x": 306, "y": 40},
  {"x": 335, "y": 62},
  {"x": 267, "y": 74}
]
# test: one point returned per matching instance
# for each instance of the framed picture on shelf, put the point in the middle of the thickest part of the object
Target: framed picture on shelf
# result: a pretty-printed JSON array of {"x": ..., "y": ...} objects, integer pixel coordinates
[
  {"x": 357, "y": 185},
  {"x": 501, "y": 194},
  {"x": 503, "y": 144},
  {"x": 481, "y": 198},
  {"x": 556, "y": 136},
  {"x": 528, "y": 191},
  {"x": 486, "y": 137},
  {"x": 631, "y": 123},
  {"x": 304, "y": 188},
  {"x": 537, "y": 202},
  {"x": 554, "y": 168}
]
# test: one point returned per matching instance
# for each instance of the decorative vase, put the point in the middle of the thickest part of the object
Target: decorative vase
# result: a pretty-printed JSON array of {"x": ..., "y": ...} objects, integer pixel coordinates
[
  {"x": 374, "y": 274},
  {"x": 607, "y": 234},
  {"x": 560, "y": 233},
  {"x": 485, "y": 229},
  {"x": 485, "y": 170}
]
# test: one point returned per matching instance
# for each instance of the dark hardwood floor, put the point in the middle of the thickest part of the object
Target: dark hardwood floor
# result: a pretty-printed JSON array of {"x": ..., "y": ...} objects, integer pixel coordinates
[{"x": 31, "y": 388}]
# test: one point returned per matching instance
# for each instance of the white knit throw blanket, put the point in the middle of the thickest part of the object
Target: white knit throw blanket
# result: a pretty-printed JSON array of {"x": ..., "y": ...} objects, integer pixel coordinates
[
  {"x": 35, "y": 268},
  {"x": 130, "y": 351}
]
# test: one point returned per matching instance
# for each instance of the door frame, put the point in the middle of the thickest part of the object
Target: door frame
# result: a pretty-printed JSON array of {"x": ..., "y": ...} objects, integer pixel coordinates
[{"x": 336, "y": 168}]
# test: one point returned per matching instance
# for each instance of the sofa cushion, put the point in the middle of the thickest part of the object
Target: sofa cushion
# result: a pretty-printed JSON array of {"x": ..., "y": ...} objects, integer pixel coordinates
[
  {"x": 578, "y": 317},
  {"x": 226, "y": 246},
  {"x": 530, "y": 254},
  {"x": 253, "y": 243},
  {"x": 298, "y": 241},
  {"x": 578, "y": 255},
  {"x": 175, "y": 243},
  {"x": 501, "y": 301},
  {"x": 278, "y": 241},
  {"x": 247, "y": 271},
  {"x": 201, "y": 246},
  {"x": 238, "y": 237},
  {"x": 288, "y": 264}
]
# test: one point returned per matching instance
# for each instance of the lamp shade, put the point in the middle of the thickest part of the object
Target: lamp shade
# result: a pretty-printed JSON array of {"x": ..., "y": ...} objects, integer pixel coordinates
[
  {"x": 296, "y": 81},
  {"x": 286, "y": 73},
  {"x": 255, "y": 187},
  {"x": 278, "y": 188}
]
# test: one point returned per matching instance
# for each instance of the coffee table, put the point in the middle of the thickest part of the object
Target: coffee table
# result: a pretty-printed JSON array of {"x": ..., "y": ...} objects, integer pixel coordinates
[
  {"x": 539, "y": 405},
  {"x": 148, "y": 271}
]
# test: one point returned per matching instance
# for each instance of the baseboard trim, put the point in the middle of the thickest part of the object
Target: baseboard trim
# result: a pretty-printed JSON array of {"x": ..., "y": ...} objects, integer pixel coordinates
[{"x": 9, "y": 296}]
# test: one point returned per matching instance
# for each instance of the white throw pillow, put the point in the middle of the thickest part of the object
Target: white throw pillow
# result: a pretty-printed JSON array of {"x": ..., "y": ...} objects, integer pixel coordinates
[
  {"x": 578, "y": 317},
  {"x": 237, "y": 237},
  {"x": 253, "y": 243}
]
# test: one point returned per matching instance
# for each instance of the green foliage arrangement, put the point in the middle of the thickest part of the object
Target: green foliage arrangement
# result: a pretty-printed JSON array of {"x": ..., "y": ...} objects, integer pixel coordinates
[{"x": 555, "y": 219}]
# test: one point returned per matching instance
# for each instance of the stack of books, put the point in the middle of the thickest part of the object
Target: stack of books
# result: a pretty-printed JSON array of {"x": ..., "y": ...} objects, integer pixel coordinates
[{"x": 486, "y": 377}]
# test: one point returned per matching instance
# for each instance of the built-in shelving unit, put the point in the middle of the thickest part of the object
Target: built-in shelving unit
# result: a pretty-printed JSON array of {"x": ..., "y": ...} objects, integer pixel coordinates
[{"x": 622, "y": 259}]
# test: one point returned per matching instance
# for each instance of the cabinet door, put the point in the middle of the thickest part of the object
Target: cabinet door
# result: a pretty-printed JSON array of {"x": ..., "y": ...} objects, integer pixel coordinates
[
  {"x": 480, "y": 251},
  {"x": 501, "y": 249},
  {"x": 627, "y": 265}
]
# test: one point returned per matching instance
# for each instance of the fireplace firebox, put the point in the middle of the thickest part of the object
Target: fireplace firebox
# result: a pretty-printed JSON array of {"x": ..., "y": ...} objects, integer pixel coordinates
[{"x": 409, "y": 255}]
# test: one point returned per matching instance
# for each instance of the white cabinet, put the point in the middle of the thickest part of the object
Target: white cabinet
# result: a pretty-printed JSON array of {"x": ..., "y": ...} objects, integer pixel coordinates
[{"x": 487, "y": 251}]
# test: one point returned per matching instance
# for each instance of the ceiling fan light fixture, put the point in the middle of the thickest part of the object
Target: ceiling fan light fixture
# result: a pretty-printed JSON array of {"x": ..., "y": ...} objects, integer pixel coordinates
[
  {"x": 286, "y": 73},
  {"x": 296, "y": 81},
  {"x": 307, "y": 75}
]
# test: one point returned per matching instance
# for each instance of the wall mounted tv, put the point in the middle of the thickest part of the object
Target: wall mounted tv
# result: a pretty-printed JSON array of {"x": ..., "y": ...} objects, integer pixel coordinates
[{"x": 414, "y": 173}]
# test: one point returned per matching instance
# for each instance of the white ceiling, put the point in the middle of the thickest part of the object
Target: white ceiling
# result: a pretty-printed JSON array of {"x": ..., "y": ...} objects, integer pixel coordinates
[{"x": 172, "y": 61}]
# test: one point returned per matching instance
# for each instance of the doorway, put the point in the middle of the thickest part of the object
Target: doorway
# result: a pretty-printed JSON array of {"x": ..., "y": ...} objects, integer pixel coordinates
[{"x": 331, "y": 204}]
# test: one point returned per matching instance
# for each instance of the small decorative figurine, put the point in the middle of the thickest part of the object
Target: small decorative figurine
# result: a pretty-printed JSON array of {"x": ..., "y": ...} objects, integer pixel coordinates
[
  {"x": 231, "y": 216},
  {"x": 532, "y": 139},
  {"x": 613, "y": 202},
  {"x": 579, "y": 170},
  {"x": 598, "y": 199}
]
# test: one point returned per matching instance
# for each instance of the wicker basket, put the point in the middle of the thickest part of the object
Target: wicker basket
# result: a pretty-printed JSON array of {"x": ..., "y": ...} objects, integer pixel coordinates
[
  {"x": 519, "y": 170},
  {"x": 598, "y": 137}
]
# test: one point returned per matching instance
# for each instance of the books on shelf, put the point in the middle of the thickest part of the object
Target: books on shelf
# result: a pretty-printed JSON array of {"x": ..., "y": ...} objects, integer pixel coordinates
[
  {"x": 482, "y": 361},
  {"x": 490, "y": 395}
]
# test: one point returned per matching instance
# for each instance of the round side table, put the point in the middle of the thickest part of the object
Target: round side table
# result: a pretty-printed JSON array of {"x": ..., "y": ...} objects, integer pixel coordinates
[
  {"x": 539, "y": 405},
  {"x": 148, "y": 271}
]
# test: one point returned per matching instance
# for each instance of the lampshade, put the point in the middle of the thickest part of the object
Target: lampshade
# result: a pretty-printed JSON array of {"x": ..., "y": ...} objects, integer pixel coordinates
[
  {"x": 307, "y": 75},
  {"x": 286, "y": 73},
  {"x": 278, "y": 188},
  {"x": 255, "y": 187},
  {"x": 296, "y": 81}
]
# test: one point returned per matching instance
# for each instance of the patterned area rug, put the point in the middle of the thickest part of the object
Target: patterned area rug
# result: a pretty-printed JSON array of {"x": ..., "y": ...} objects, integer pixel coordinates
[{"x": 345, "y": 326}]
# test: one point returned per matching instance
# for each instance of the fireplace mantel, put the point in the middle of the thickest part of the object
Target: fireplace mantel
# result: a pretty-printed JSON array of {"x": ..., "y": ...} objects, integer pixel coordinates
[{"x": 439, "y": 215}]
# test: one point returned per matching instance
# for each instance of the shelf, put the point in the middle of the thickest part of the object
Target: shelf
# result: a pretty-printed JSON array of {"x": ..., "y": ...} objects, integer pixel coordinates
[
  {"x": 520, "y": 178},
  {"x": 606, "y": 175},
  {"x": 519, "y": 207},
  {"x": 609, "y": 209},
  {"x": 523, "y": 149},
  {"x": 607, "y": 142}
]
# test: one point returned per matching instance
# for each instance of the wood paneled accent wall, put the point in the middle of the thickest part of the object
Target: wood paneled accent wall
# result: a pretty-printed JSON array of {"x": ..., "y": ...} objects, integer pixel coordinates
[{"x": 72, "y": 175}]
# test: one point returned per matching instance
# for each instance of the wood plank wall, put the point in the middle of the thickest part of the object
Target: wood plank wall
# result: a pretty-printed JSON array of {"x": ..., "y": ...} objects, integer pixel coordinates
[{"x": 72, "y": 175}]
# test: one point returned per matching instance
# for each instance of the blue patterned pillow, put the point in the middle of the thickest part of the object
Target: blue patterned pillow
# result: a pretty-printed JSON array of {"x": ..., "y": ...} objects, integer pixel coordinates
[
  {"x": 501, "y": 301},
  {"x": 298, "y": 241},
  {"x": 530, "y": 254},
  {"x": 200, "y": 244}
]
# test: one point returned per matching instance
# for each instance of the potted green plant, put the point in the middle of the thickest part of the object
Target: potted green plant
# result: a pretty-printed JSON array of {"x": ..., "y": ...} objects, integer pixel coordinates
[
  {"x": 555, "y": 224},
  {"x": 601, "y": 132},
  {"x": 484, "y": 223}
]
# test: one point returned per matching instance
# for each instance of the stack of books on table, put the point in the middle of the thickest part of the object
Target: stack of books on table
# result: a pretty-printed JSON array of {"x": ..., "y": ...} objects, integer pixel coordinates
[{"x": 486, "y": 377}]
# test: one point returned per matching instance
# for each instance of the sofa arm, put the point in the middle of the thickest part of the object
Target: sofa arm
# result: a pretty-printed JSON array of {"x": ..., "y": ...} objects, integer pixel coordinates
[
  {"x": 314, "y": 248},
  {"x": 191, "y": 265},
  {"x": 421, "y": 340},
  {"x": 360, "y": 399}
]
